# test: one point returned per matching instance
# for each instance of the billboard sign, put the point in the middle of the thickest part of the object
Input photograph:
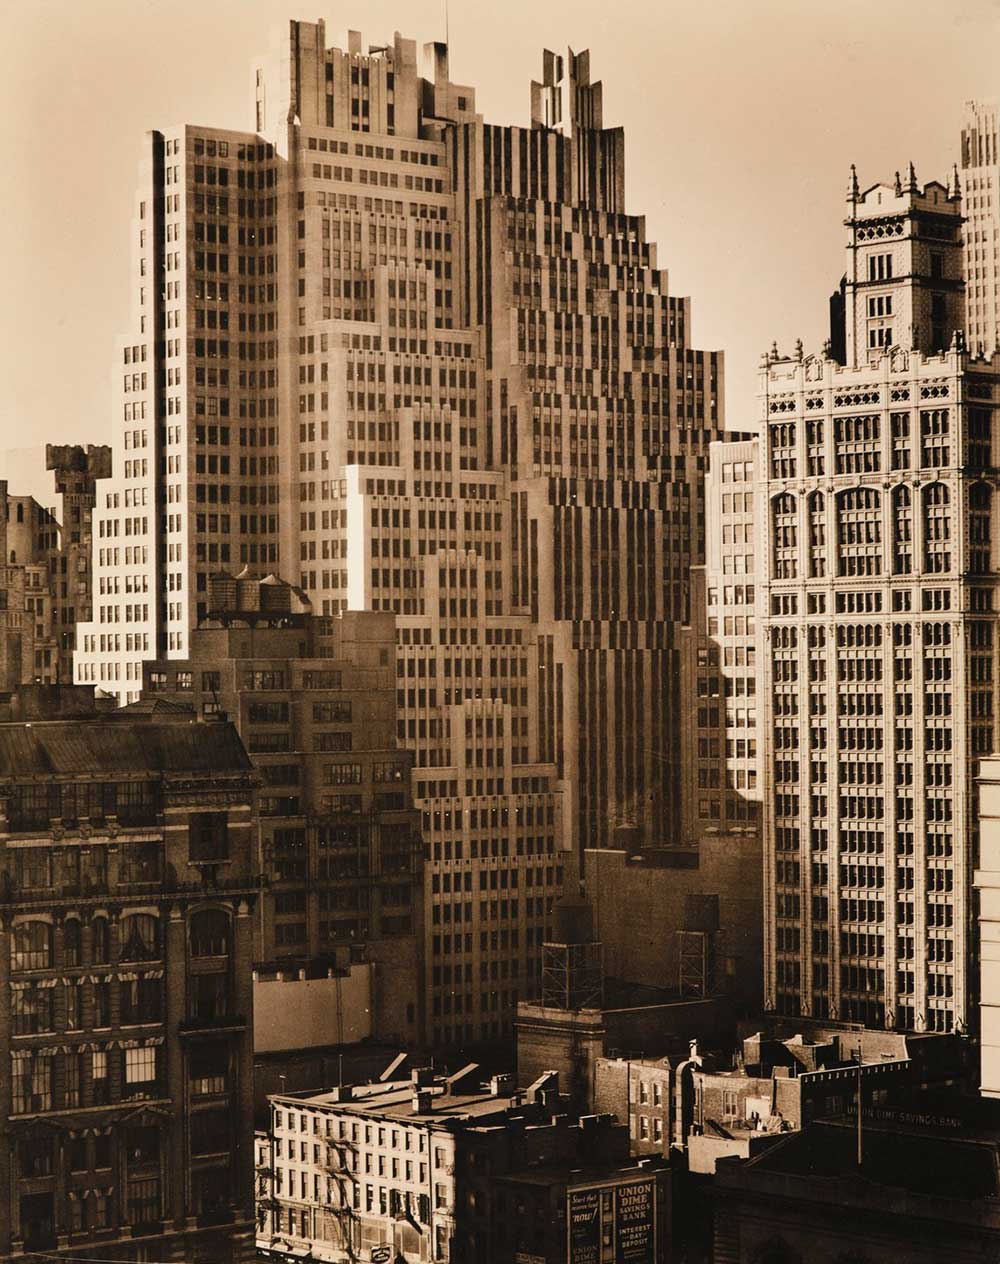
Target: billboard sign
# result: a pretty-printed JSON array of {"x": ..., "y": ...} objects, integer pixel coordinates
[
  {"x": 585, "y": 1226},
  {"x": 634, "y": 1226}
]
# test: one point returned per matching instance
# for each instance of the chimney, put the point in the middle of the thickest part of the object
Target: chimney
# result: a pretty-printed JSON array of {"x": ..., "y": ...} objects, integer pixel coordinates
[{"x": 422, "y": 1100}]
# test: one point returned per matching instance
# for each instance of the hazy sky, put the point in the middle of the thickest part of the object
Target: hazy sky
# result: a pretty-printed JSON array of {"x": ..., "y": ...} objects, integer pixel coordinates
[{"x": 741, "y": 118}]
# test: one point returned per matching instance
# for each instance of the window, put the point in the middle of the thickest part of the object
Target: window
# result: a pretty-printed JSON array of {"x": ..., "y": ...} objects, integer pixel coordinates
[
  {"x": 859, "y": 532},
  {"x": 35, "y": 1157},
  {"x": 32, "y": 1082},
  {"x": 210, "y": 1132},
  {"x": 785, "y": 536},
  {"x": 141, "y": 864},
  {"x": 31, "y": 1008},
  {"x": 210, "y": 1000},
  {"x": 209, "y": 1069},
  {"x": 139, "y": 937},
  {"x": 100, "y": 939},
  {"x": 72, "y": 943},
  {"x": 342, "y": 774},
  {"x": 208, "y": 836},
  {"x": 32, "y": 947},
  {"x": 99, "y": 1078},
  {"x": 937, "y": 529},
  {"x": 210, "y": 934},
  {"x": 141, "y": 999},
  {"x": 143, "y": 1203},
  {"x": 902, "y": 531},
  {"x": 141, "y": 1073}
]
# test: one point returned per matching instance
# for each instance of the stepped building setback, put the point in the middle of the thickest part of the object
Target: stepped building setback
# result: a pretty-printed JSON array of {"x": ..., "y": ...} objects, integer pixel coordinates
[{"x": 421, "y": 364}]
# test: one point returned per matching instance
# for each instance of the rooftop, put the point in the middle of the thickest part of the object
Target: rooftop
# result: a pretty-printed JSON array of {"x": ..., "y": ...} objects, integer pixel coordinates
[
  {"x": 104, "y": 747},
  {"x": 395, "y": 1100},
  {"x": 920, "y": 1162}
]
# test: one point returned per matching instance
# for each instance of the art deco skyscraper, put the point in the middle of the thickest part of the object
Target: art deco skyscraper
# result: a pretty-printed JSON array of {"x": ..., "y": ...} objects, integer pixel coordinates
[
  {"x": 879, "y": 650},
  {"x": 422, "y": 364},
  {"x": 981, "y": 207}
]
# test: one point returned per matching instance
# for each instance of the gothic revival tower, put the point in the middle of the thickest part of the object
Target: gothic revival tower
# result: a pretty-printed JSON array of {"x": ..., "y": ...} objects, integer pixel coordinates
[{"x": 879, "y": 577}]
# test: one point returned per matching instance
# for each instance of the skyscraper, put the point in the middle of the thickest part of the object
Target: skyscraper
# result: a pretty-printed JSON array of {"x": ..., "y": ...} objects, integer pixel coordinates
[
  {"x": 981, "y": 207},
  {"x": 422, "y": 364},
  {"x": 879, "y": 574}
]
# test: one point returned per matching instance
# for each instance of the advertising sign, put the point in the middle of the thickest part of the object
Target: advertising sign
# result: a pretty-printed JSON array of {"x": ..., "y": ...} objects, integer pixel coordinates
[
  {"x": 585, "y": 1226},
  {"x": 634, "y": 1211}
]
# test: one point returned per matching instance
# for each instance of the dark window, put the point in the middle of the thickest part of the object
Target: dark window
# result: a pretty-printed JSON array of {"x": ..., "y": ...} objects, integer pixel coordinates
[
  {"x": 35, "y": 1157},
  {"x": 208, "y": 836},
  {"x": 210, "y": 934},
  {"x": 210, "y": 996},
  {"x": 141, "y": 1001},
  {"x": 209, "y": 1070},
  {"x": 32, "y": 949},
  {"x": 140, "y": 940},
  {"x": 37, "y": 1221},
  {"x": 100, "y": 939},
  {"x": 210, "y": 1132},
  {"x": 141, "y": 863}
]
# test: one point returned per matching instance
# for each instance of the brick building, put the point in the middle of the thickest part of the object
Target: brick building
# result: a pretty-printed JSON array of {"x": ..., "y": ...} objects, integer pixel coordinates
[
  {"x": 436, "y": 1167},
  {"x": 314, "y": 699}
]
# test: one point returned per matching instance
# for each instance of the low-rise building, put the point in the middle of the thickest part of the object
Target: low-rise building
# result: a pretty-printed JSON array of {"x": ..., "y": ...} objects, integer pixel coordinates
[
  {"x": 923, "y": 1189},
  {"x": 614, "y": 1212},
  {"x": 694, "y": 1101},
  {"x": 435, "y": 1167}
]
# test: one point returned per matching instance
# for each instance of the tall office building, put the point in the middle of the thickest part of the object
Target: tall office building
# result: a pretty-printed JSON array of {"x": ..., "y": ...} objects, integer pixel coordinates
[
  {"x": 314, "y": 700},
  {"x": 77, "y": 471},
  {"x": 721, "y": 773},
  {"x": 423, "y": 364},
  {"x": 879, "y": 574},
  {"x": 981, "y": 206}
]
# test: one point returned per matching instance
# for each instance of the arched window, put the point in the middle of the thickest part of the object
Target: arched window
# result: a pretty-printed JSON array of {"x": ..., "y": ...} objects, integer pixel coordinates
[
  {"x": 937, "y": 529},
  {"x": 32, "y": 947},
  {"x": 139, "y": 937},
  {"x": 100, "y": 939},
  {"x": 786, "y": 536},
  {"x": 859, "y": 532},
  {"x": 817, "y": 535},
  {"x": 210, "y": 934},
  {"x": 72, "y": 943},
  {"x": 980, "y": 520},
  {"x": 902, "y": 531}
]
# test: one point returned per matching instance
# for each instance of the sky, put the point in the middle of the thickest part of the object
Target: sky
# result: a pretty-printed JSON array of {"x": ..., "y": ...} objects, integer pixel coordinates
[{"x": 741, "y": 121}]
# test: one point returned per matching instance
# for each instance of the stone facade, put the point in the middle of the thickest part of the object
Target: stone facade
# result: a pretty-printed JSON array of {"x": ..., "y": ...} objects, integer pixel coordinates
[
  {"x": 878, "y": 586},
  {"x": 128, "y": 887},
  {"x": 981, "y": 207},
  {"x": 423, "y": 364}
]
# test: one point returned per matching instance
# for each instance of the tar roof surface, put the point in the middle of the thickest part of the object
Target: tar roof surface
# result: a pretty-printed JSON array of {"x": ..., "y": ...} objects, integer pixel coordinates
[
  {"x": 71, "y": 747},
  {"x": 394, "y": 1100}
]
